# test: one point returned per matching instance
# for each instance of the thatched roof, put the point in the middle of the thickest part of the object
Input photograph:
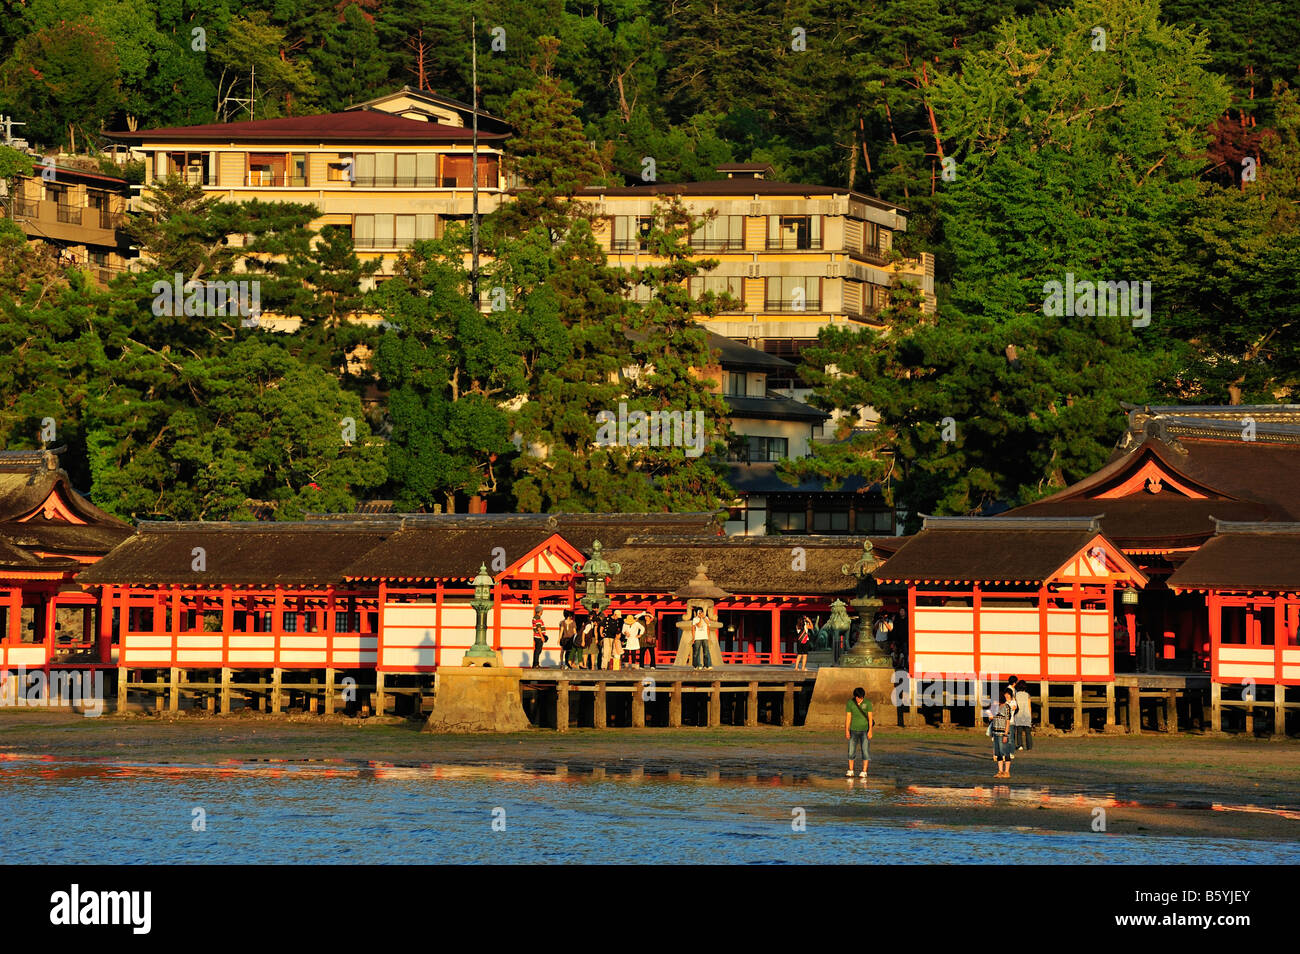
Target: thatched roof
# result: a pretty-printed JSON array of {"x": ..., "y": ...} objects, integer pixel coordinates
[
  {"x": 739, "y": 565},
  {"x": 988, "y": 549},
  {"x": 452, "y": 546},
  {"x": 236, "y": 553},
  {"x": 1260, "y": 557},
  {"x": 41, "y": 512}
]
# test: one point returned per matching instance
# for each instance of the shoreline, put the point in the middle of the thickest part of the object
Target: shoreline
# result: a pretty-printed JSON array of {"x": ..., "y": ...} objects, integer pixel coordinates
[{"x": 1149, "y": 785}]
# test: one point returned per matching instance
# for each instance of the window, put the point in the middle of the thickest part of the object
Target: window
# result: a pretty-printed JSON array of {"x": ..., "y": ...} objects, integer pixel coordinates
[
  {"x": 761, "y": 449},
  {"x": 341, "y": 169},
  {"x": 397, "y": 170},
  {"x": 875, "y": 521},
  {"x": 291, "y": 622},
  {"x": 722, "y": 233},
  {"x": 793, "y": 293},
  {"x": 392, "y": 231},
  {"x": 297, "y": 169},
  {"x": 733, "y": 382},
  {"x": 196, "y": 168},
  {"x": 731, "y": 285},
  {"x": 794, "y": 232},
  {"x": 630, "y": 232},
  {"x": 457, "y": 171},
  {"x": 266, "y": 169},
  {"x": 347, "y": 622},
  {"x": 787, "y": 521},
  {"x": 835, "y": 521}
]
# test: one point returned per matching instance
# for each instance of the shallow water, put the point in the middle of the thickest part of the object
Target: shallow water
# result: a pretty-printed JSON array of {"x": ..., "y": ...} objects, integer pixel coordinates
[{"x": 93, "y": 811}]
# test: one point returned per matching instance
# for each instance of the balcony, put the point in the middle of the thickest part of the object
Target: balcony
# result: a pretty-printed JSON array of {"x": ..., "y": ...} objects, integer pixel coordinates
[
  {"x": 24, "y": 209},
  {"x": 718, "y": 245},
  {"x": 876, "y": 255},
  {"x": 627, "y": 245},
  {"x": 111, "y": 220},
  {"x": 793, "y": 304},
  {"x": 69, "y": 214},
  {"x": 402, "y": 182},
  {"x": 794, "y": 245},
  {"x": 259, "y": 179}
]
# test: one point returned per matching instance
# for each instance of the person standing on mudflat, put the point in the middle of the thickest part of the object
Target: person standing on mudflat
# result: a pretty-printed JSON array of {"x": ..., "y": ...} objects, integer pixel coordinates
[
  {"x": 1023, "y": 720},
  {"x": 859, "y": 723},
  {"x": 1000, "y": 732}
]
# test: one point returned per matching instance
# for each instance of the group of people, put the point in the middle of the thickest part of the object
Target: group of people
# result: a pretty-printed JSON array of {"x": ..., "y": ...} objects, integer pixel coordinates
[
  {"x": 609, "y": 641},
  {"x": 1011, "y": 725}
]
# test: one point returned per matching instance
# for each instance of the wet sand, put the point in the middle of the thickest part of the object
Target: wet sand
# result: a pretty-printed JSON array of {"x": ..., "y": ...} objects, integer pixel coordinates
[{"x": 1183, "y": 785}]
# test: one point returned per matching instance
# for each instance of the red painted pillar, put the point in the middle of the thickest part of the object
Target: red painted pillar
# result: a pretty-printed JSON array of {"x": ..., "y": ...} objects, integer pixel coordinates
[
  {"x": 104, "y": 649},
  {"x": 775, "y": 658},
  {"x": 1216, "y": 631}
]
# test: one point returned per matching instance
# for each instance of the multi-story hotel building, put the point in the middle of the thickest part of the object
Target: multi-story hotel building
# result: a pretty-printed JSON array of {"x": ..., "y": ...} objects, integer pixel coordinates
[
  {"x": 78, "y": 212},
  {"x": 391, "y": 171},
  {"x": 794, "y": 257}
]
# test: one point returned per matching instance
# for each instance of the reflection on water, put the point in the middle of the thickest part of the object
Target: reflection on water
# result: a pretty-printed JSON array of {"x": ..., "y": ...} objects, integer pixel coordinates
[{"x": 347, "y": 811}]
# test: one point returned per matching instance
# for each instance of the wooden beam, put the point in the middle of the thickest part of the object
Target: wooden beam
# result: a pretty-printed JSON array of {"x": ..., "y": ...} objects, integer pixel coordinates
[
  {"x": 599, "y": 716},
  {"x": 1135, "y": 710},
  {"x": 675, "y": 707},
  {"x": 751, "y": 705}
]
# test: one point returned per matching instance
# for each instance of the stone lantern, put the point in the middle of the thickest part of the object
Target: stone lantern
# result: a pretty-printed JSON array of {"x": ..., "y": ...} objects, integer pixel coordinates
[
  {"x": 596, "y": 572},
  {"x": 838, "y": 627},
  {"x": 481, "y": 654},
  {"x": 700, "y": 593},
  {"x": 866, "y": 652}
]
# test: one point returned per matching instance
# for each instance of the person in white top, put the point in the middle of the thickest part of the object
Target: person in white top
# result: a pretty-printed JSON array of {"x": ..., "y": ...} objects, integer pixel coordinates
[
  {"x": 700, "y": 641},
  {"x": 1022, "y": 720},
  {"x": 632, "y": 630}
]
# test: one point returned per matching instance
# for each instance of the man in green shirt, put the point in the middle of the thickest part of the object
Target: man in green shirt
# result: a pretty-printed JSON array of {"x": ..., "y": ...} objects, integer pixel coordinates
[{"x": 859, "y": 721}]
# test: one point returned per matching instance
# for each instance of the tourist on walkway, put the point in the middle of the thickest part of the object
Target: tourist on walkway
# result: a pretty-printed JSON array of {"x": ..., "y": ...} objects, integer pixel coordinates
[
  {"x": 700, "y": 641},
  {"x": 1011, "y": 684},
  {"x": 539, "y": 636},
  {"x": 803, "y": 643},
  {"x": 612, "y": 629},
  {"x": 649, "y": 641},
  {"x": 1023, "y": 720},
  {"x": 632, "y": 630},
  {"x": 590, "y": 642},
  {"x": 1000, "y": 732},
  {"x": 859, "y": 722},
  {"x": 571, "y": 652}
]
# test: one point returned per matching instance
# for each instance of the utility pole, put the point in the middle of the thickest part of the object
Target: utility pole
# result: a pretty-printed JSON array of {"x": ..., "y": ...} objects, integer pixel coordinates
[{"x": 473, "y": 268}]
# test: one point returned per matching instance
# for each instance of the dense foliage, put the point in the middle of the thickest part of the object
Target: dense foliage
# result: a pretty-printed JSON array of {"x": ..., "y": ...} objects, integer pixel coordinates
[{"x": 1031, "y": 140}]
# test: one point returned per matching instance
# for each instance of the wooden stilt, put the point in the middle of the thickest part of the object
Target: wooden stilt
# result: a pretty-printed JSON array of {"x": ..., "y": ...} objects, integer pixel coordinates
[
  {"x": 913, "y": 710},
  {"x": 381, "y": 697},
  {"x": 1216, "y": 708},
  {"x": 329, "y": 690},
  {"x": 599, "y": 718},
  {"x": 225, "y": 690},
  {"x": 1279, "y": 710},
  {"x": 174, "y": 691},
  {"x": 715, "y": 705},
  {"x": 1171, "y": 704},
  {"x": 1110, "y": 704},
  {"x": 277, "y": 675},
  {"x": 945, "y": 714},
  {"x": 638, "y": 707},
  {"x": 751, "y": 705},
  {"x": 123, "y": 678},
  {"x": 1078, "y": 724},
  {"x": 1135, "y": 710},
  {"x": 787, "y": 705},
  {"x": 1044, "y": 715},
  {"x": 675, "y": 707},
  {"x": 562, "y": 706}
]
